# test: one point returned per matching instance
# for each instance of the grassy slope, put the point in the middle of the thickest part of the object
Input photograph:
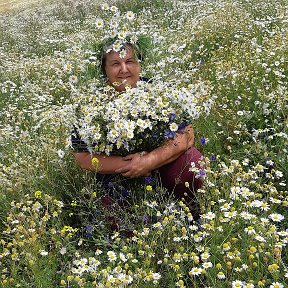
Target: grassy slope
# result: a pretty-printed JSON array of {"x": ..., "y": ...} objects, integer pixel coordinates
[{"x": 10, "y": 5}]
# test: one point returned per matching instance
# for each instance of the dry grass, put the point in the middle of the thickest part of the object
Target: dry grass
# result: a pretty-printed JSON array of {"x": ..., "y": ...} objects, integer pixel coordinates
[{"x": 11, "y": 5}]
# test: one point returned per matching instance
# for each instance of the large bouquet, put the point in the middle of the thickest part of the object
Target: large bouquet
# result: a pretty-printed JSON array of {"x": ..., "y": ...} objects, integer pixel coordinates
[{"x": 138, "y": 119}]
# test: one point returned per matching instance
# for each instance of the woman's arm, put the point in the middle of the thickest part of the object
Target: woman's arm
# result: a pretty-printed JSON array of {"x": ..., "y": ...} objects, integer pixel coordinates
[
  {"x": 138, "y": 164},
  {"x": 106, "y": 164},
  {"x": 142, "y": 165}
]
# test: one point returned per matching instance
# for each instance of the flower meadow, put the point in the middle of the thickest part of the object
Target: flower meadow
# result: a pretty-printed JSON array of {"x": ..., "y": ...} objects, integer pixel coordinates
[{"x": 221, "y": 63}]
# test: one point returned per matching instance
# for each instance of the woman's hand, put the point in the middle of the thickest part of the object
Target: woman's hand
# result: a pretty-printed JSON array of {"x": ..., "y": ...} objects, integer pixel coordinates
[
  {"x": 141, "y": 164},
  {"x": 138, "y": 165}
]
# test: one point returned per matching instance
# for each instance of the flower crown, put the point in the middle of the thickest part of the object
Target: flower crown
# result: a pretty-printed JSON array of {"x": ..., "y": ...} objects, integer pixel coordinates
[{"x": 117, "y": 29}]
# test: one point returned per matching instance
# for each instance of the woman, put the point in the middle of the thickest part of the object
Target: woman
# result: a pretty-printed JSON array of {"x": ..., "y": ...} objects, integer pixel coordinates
[{"x": 173, "y": 159}]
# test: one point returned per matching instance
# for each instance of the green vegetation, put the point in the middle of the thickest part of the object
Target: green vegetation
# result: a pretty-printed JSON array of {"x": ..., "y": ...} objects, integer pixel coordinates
[{"x": 56, "y": 228}]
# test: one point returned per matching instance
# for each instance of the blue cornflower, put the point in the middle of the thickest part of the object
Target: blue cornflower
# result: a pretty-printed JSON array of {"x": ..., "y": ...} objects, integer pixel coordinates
[
  {"x": 203, "y": 140},
  {"x": 126, "y": 145},
  {"x": 145, "y": 218},
  {"x": 155, "y": 136},
  {"x": 172, "y": 116},
  {"x": 200, "y": 174},
  {"x": 148, "y": 179},
  {"x": 125, "y": 193},
  {"x": 169, "y": 134},
  {"x": 88, "y": 231},
  {"x": 212, "y": 158},
  {"x": 181, "y": 127}
]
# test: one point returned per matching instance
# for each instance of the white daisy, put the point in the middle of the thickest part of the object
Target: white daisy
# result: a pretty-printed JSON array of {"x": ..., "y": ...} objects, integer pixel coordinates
[
  {"x": 105, "y": 7},
  {"x": 99, "y": 23},
  {"x": 276, "y": 217},
  {"x": 221, "y": 275},
  {"x": 195, "y": 271},
  {"x": 73, "y": 79},
  {"x": 276, "y": 285},
  {"x": 173, "y": 127},
  {"x": 111, "y": 256},
  {"x": 130, "y": 15},
  {"x": 237, "y": 284}
]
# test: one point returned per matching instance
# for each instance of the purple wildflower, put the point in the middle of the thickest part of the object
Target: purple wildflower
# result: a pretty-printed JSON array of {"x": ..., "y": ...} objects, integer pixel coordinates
[
  {"x": 200, "y": 174},
  {"x": 182, "y": 127},
  {"x": 203, "y": 140},
  {"x": 169, "y": 134},
  {"x": 145, "y": 219},
  {"x": 148, "y": 179},
  {"x": 155, "y": 136},
  {"x": 125, "y": 193},
  {"x": 88, "y": 231},
  {"x": 172, "y": 116},
  {"x": 126, "y": 145}
]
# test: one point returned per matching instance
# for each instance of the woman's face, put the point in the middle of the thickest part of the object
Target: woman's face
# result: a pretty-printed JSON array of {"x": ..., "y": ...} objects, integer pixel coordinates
[{"x": 122, "y": 72}]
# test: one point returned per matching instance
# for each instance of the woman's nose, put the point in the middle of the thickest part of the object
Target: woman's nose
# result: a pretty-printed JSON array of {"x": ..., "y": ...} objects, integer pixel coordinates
[{"x": 124, "y": 67}]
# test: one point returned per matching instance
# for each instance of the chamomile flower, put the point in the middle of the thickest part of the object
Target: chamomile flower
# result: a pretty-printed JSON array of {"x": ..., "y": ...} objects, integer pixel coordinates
[
  {"x": 122, "y": 35},
  {"x": 105, "y": 6},
  {"x": 196, "y": 271},
  {"x": 250, "y": 230},
  {"x": 237, "y": 284},
  {"x": 67, "y": 68},
  {"x": 249, "y": 285},
  {"x": 156, "y": 277},
  {"x": 221, "y": 275},
  {"x": 111, "y": 256},
  {"x": 133, "y": 39},
  {"x": 275, "y": 217},
  {"x": 117, "y": 46},
  {"x": 114, "y": 23},
  {"x": 173, "y": 127},
  {"x": 130, "y": 15},
  {"x": 209, "y": 215},
  {"x": 225, "y": 207},
  {"x": 260, "y": 238},
  {"x": 113, "y": 9},
  {"x": 43, "y": 252},
  {"x": 73, "y": 79},
  {"x": 61, "y": 153},
  {"x": 123, "y": 53},
  {"x": 276, "y": 285},
  {"x": 207, "y": 265},
  {"x": 99, "y": 23}
]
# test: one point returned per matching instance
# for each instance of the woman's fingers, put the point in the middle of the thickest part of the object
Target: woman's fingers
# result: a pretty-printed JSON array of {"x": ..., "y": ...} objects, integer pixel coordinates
[
  {"x": 121, "y": 170},
  {"x": 134, "y": 155},
  {"x": 127, "y": 157},
  {"x": 136, "y": 166}
]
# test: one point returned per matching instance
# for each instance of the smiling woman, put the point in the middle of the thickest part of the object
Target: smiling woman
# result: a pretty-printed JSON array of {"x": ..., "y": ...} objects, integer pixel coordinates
[
  {"x": 172, "y": 159},
  {"x": 122, "y": 72}
]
